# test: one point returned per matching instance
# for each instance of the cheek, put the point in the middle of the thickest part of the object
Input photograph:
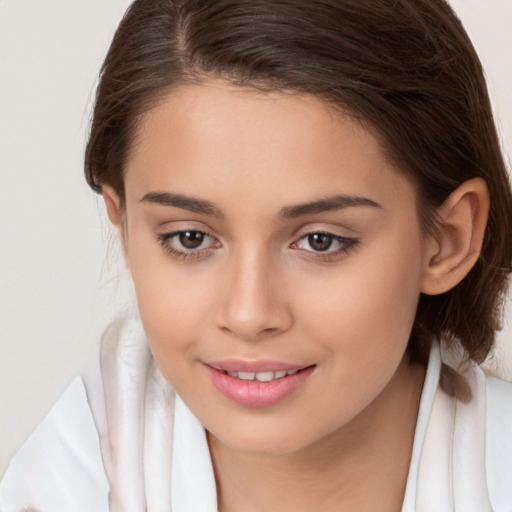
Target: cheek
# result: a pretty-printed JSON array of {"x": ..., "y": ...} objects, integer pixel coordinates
[
  {"x": 360, "y": 321},
  {"x": 367, "y": 307},
  {"x": 172, "y": 301}
]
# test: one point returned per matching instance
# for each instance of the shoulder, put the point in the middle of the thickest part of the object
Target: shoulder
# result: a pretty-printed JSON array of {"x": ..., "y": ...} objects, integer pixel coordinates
[
  {"x": 499, "y": 403},
  {"x": 491, "y": 407},
  {"x": 498, "y": 394},
  {"x": 60, "y": 466},
  {"x": 467, "y": 451},
  {"x": 499, "y": 397}
]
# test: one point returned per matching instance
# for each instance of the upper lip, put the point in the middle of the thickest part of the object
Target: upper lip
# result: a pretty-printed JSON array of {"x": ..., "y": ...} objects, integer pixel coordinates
[{"x": 259, "y": 366}]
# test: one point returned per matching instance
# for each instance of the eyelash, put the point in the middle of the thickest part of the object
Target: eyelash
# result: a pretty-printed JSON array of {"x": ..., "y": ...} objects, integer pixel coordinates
[{"x": 347, "y": 245}]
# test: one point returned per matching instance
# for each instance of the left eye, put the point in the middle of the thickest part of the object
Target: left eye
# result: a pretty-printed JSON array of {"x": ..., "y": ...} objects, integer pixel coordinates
[
  {"x": 324, "y": 243},
  {"x": 185, "y": 242}
]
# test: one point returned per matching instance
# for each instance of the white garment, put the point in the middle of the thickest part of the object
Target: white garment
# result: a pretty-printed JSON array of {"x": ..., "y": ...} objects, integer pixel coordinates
[{"x": 119, "y": 439}]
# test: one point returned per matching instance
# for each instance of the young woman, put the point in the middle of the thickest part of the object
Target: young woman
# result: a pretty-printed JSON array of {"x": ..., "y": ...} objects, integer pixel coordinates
[{"x": 317, "y": 219}]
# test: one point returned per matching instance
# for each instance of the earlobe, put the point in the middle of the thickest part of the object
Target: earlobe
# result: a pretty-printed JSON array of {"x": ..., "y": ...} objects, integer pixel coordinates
[{"x": 453, "y": 251}]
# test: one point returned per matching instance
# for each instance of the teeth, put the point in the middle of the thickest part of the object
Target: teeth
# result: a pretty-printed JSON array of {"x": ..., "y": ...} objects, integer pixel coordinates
[
  {"x": 265, "y": 376},
  {"x": 246, "y": 375},
  {"x": 262, "y": 376}
]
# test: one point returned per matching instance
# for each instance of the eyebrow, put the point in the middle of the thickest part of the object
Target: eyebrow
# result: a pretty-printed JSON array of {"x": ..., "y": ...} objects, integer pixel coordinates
[
  {"x": 184, "y": 202},
  {"x": 332, "y": 203}
]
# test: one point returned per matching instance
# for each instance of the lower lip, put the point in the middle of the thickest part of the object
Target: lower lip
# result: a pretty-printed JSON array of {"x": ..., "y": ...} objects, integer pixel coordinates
[{"x": 256, "y": 394}]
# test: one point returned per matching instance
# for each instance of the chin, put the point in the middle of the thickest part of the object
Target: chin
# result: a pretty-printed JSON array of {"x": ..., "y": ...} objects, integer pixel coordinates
[{"x": 264, "y": 441}]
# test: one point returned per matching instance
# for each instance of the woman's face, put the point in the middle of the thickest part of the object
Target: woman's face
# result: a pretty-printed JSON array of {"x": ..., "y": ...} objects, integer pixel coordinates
[{"x": 265, "y": 234}]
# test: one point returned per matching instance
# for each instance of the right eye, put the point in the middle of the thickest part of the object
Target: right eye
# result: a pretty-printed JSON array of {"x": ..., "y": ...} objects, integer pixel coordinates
[{"x": 187, "y": 243}]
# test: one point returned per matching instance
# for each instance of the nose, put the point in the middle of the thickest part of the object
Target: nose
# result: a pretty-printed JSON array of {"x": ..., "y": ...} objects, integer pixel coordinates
[{"x": 254, "y": 303}]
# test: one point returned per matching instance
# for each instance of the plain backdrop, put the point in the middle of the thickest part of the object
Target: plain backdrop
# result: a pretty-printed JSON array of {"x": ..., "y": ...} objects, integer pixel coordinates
[{"x": 61, "y": 277}]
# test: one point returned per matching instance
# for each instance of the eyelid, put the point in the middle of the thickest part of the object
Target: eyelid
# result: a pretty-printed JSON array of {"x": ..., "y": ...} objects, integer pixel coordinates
[{"x": 330, "y": 228}]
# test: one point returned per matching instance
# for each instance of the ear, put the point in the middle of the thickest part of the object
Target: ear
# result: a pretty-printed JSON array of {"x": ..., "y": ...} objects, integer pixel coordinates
[
  {"x": 116, "y": 215},
  {"x": 113, "y": 205},
  {"x": 454, "y": 249}
]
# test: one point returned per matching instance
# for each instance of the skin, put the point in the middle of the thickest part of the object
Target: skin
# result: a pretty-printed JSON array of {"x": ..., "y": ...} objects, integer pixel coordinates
[{"x": 257, "y": 288}]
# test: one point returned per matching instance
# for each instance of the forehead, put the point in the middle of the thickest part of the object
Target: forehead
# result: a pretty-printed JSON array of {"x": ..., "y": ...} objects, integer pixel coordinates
[{"x": 204, "y": 137}]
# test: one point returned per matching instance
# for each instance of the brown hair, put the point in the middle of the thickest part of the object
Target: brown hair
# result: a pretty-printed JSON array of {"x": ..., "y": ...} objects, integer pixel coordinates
[{"x": 406, "y": 67}]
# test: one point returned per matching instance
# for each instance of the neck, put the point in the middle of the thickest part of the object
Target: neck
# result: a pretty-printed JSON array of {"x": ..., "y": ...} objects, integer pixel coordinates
[{"x": 362, "y": 466}]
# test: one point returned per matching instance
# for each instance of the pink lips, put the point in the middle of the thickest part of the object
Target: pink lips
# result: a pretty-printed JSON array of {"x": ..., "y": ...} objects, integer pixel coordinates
[{"x": 253, "y": 393}]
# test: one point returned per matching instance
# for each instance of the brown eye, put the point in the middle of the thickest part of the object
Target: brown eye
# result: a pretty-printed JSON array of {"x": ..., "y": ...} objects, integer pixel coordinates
[
  {"x": 320, "y": 241},
  {"x": 188, "y": 243},
  {"x": 326, "y": 246},
  {"x": 191, "y": 239}
]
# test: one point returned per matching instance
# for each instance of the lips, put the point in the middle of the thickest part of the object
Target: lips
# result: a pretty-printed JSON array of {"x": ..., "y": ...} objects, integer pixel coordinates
[{"x": 257, "y": 384}]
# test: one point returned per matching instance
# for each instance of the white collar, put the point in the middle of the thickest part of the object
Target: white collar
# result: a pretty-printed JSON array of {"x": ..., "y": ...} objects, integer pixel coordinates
[
  {"x": 193, "y": 481},
  {"x": 428, "y": 393}
]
